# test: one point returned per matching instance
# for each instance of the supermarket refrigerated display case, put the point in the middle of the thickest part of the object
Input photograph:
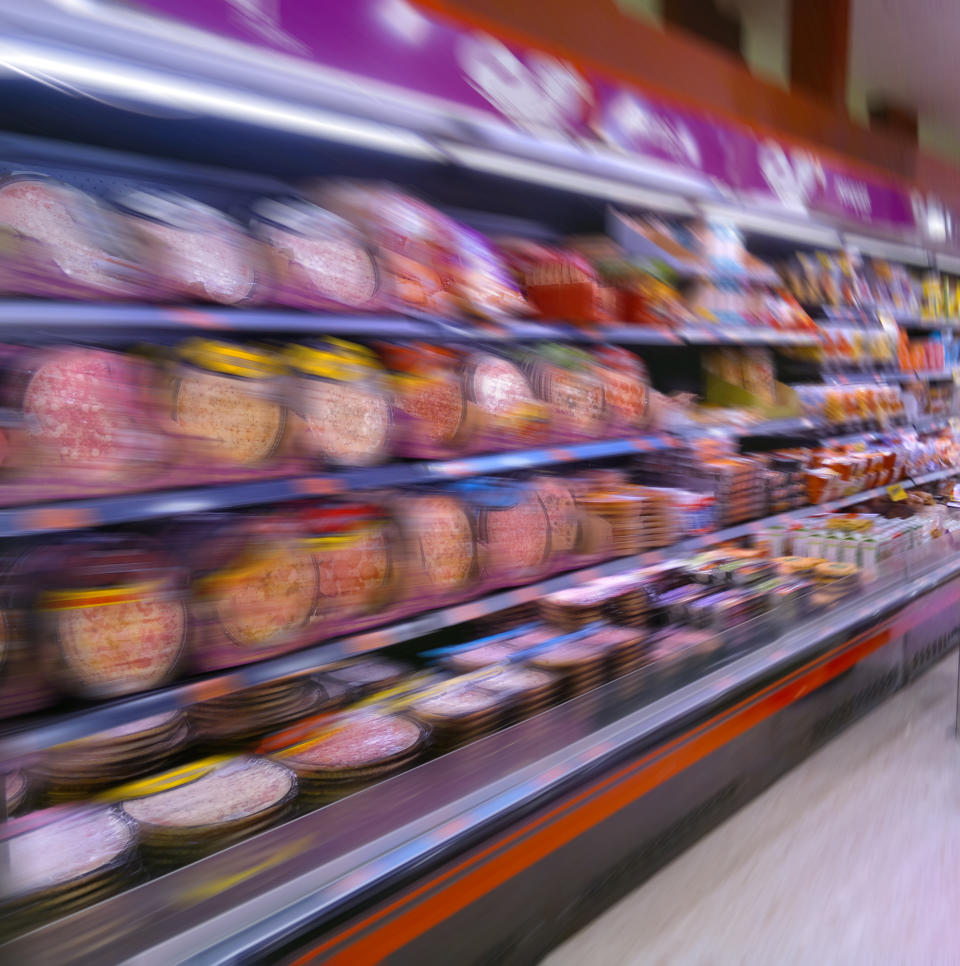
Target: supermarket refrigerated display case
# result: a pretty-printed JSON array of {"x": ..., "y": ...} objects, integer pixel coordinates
[
  {"x": 495, "y": 850},
  {"x": 498, "y": 849}
]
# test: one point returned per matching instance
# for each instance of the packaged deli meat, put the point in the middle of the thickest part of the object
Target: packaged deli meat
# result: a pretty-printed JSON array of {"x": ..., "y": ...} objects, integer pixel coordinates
[
  {"x": 513, "y": 529},
  {"x": 237, "y": 718},
  {"x": 626, "y": 389},
  {"x": 88, "y": 766},
  {"x": 340, "y": 403},
  {"x": 566, "y": 379},
  {"x": 410, "y": 237},
  {"x": 508, "y": 412},
  {"x": 191, "y": 811},
  {"x": 228, "y": 405},
  {"x": 480, "y": 278},
  {"x": 557, "y": 497},
  {"x": 459, "y": 711},
  {"x": 318, "y": 260},
  {"x": 368, "y": 675},
  {"x": 62, "y": 859},
  {"x": 353, "y": 751},
  {"x": 255, "y": 588},
  {"x": 89, "y": 417},
  {"x": 193, "y": 251},
  {"x": 357, "y": 550},
  {"x": 441, "y": 550},
  {"x": 62, "y": 243},
  {"x": 110, "y": 615},
  {"x": 433, "y": 417}
]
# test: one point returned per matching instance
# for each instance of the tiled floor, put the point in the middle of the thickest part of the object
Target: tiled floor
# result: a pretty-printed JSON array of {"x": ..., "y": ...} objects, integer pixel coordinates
[{"x": 852, "y": 858}]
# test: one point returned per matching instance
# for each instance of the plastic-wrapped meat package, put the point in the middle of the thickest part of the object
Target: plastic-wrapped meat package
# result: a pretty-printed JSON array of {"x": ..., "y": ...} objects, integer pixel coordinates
[
  {"x": 508, "y": 414},
  {"x": 563, "y": 515},
  {"x": 410, "y": 236},
  {"x": 626, "y": 388},
  {"x": 440, "y": 558},
  {"x": 90, "y": 418},
  {"x": 566, "y": 379},
  {"x": 61, "y": 243},
  {"x": 481, "y": 280},
  {"x": 340, "y": 403},
  {"x": 513, "y": 529},
  {"x": 62, "y": 859},
  {"x": 317, "y": 259},
  {"x": 255, "y": 588},
  {"x": 356, "y": 547},
  {"x": 193, "y": 251},
  {"x": 109, "y": 614},
  {"x": 433, "y": 418},
  {"x": 228, "y": 408}
]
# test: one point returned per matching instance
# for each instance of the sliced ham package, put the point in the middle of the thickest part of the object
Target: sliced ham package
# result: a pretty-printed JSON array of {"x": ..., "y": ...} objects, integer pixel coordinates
[
  {"x": 89, "y": 417},
  {"x": 340, "y": 403},
  {"x": 318, "y": 260},
  {"x": 255, "y": 588},
  {"x": 58, "y": 242},
  {"x": 192, "y": 251}
]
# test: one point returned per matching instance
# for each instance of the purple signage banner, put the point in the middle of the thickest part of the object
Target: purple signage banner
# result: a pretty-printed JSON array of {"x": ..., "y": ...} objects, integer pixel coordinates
[{"x": 395, "y": 43}]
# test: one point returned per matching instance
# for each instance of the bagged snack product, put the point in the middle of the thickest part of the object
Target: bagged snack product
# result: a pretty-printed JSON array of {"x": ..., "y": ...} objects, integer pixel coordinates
[
  {"x": 62, "y": 243},
  {"x": 193, "y": 251},
  {"x": 228, "y": 404},
  {"x": 317, "y": 260},
  {"x": 340, "y": 403}
]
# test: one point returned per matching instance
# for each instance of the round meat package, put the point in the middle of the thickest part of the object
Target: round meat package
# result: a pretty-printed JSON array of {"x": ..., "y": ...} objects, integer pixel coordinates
[
  {"x": 626, "y": 388},
  {"x": 509, "y": 414},
  {"x": 341, "y": 402},
  {"x": 356, "y": 548},
  {"x": 62, "y": 243},
  {"x": 353, "y": 752},
  {"x": 319, "y": 261},
  {"x": 112, "y": 617},
  {"x": 90, "y": 416},
  {"x": 192, "y": 250},
  {"x": 565, "y": 378},
  {"x": 433, "y": 417},
  {"x": 228, "y": 405},
  {"x": 189, "y": 812},
  {"x": 440, "y": 543},
  {"x": 61, "y": 860},
  {"x": 513, "y": 529},
  {"x": 254, "y": 588}
]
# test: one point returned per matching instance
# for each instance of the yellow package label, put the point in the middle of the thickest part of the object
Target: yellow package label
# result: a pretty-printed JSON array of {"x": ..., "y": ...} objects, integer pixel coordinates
[{"x": 896, "y": 492}]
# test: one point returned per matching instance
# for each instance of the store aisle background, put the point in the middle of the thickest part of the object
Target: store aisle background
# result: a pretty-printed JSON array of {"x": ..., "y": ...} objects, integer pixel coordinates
[{"x": 851, "y": 858}]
